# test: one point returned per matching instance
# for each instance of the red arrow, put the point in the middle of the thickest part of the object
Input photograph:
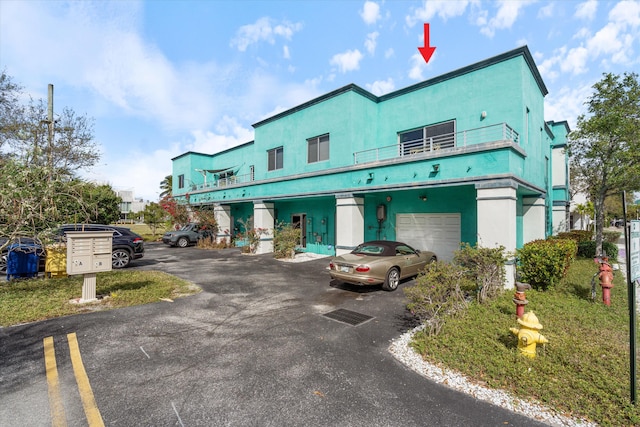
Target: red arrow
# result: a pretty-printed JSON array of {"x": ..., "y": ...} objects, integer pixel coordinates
[{"x": 427, "y": 50}]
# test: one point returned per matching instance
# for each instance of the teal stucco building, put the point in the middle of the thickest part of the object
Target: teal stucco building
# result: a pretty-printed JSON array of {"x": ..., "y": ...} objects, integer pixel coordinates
[{"x": 463, "y": 157}]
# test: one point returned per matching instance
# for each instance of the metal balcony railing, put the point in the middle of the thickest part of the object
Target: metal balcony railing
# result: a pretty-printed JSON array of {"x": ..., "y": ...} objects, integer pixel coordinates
[
  {"x": 224, "y": 182},
  {"x": 499, "y": 132}
]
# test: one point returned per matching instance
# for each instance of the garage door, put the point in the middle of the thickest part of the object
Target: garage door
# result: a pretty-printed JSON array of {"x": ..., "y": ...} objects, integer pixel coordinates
[{"x": 439, "y": 233}]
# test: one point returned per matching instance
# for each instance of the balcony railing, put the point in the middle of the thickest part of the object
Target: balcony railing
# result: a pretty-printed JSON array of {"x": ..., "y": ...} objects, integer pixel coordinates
[
  {"x": 224, "y": 182},
  {"x": 499, "y": 132}
]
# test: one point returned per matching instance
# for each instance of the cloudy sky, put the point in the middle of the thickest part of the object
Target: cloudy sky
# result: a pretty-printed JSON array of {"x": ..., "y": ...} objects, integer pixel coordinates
[{"x": 164, "y": 77}]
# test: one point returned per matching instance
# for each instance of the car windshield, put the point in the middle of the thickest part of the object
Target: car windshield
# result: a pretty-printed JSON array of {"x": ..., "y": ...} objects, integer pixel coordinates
[{"x": 369, "y": 249}]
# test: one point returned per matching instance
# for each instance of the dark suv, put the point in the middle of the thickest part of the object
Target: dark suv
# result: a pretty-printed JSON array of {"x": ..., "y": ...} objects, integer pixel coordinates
[{"x": 126, "y": 245}]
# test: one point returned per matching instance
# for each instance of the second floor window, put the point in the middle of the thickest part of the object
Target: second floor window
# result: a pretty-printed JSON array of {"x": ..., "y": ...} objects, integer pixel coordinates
[
  {"x": 275, "y": 158},
  {"x": 318, "y": 149},
  {"x": 429, "y": 138},
  {"x": 180, "y": 181}
]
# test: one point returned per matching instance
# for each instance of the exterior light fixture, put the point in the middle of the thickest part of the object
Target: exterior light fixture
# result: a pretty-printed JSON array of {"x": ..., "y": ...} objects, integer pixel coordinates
[
  {"x": 435, "y": 168},
  {"x": 423, "y": 198}
]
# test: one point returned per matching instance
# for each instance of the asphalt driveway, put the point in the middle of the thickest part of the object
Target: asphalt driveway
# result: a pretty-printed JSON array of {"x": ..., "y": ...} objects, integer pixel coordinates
[{"x": 254, "y": 348}]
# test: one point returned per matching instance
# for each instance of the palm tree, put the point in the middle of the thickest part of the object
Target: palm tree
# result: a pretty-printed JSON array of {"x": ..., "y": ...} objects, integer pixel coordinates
[{"x": 166, "y": 186}]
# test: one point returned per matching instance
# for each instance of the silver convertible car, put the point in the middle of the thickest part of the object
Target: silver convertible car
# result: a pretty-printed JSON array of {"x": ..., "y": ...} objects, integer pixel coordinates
[{"x": 380, "y": 262}]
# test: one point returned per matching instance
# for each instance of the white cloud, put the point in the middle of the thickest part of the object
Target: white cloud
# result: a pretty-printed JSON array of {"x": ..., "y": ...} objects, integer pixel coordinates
[
  {"x": 505, "y": 17},
  {"x": 547, "y": 11},
  {"x": 285, "y": 52},
  {"x": 546, "y": 68},
  {"x": 389, "y": 53},
  {"x": 347, "y": 61},
  {"x": 443, "y": 9},
  {"x": 418, "y": 65},
  {"x": 381, "y": 87},
  {"x": 575, "y": 61},
  {"x": 605, "y": 41},
  {"x": 567, "y": 103},
  {"x": 371, "y": 41},
  {"x": 228, "y": 133},
  {"x": 626, "y": 13},
  {"x": 150, "y": 169},
  {"x": 587, "y": 10},
  {"x": 264, "y": 29},
  {"x": 370, "y": 12}
]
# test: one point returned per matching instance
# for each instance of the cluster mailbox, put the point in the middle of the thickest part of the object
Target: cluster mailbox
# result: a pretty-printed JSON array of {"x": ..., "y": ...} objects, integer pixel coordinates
[{"x": 88, "y": 251}]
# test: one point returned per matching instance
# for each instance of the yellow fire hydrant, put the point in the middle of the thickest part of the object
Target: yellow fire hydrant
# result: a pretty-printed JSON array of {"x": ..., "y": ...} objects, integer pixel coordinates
[{"x": 528, "y": 335}]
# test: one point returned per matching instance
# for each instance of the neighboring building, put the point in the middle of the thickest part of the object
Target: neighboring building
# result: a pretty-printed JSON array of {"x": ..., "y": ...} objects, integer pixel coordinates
[
  {"x": 463, "y": 157},
  {"x": 129, "y": 205}
]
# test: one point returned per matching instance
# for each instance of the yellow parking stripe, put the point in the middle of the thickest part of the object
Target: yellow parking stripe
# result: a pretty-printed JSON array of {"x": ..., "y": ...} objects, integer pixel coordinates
[
  {"x": 58, "y": 418},
  {"x": 86, "y": 394}
]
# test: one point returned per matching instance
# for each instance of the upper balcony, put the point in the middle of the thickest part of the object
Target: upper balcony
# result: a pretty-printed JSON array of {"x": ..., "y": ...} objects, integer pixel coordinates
[{"x": 440, "y": 143}]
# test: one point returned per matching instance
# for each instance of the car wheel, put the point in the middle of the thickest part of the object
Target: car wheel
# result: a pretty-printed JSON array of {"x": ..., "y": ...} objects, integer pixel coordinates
[
  {"x": 392, "y": 280},
  {"x": 433, "y": 259},
  {"x": 183, "y": 242},
  {"x": 120, "y": 258}
]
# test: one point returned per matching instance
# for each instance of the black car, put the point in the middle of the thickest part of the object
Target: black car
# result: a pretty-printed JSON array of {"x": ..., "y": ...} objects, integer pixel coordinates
[{"x": 126, "y": 245}]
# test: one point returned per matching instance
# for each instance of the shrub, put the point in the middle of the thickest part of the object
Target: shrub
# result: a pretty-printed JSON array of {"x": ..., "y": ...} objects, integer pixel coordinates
[
  {"x": 485, "y": 267},
  {"x": 285, "y": 239},
  {"x": 210, "y": 242},
  {"x": 611, "y": 236},
  {"x": 545, "y": 262},
  {"x": 577, "y": 235},
  {"x": 438, "y": 294},
  {"x": 588, "y": 249}
]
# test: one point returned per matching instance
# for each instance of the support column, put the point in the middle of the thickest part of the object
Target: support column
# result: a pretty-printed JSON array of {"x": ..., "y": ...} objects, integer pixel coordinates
[
  {"x": 223, "y": 217},
  {"x": 533, "y": 218},
  {"x": 559, "y": 217},
  {"x": 349, "y": 223},
  {"x": 263, "y": 220},
  {"x": 497, "y": 220}
]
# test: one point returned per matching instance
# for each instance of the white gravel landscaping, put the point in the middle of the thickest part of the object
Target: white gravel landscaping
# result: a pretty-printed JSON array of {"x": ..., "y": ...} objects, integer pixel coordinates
[{"x": 405, "y": 354}]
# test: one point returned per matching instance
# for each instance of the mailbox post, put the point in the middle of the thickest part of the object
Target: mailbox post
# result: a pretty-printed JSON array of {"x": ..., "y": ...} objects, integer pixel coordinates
[{"x": 88, "y": 253}]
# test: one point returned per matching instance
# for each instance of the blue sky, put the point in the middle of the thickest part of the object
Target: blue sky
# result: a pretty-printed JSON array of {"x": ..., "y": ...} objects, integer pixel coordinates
[{"x": 164, "y": 77}]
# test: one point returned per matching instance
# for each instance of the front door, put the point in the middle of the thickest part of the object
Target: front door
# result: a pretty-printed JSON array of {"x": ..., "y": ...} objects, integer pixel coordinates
[{"x": 299, "y": 221}]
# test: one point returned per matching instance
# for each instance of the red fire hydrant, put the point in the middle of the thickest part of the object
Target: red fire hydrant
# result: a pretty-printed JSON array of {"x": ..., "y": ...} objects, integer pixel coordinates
[
  {"x": 606, "y": 279},
  {"x": 519, "y": 298}
]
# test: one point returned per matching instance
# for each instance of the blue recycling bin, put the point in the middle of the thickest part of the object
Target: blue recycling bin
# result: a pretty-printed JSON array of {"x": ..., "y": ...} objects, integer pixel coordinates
[{"x": 23, "y": 260}]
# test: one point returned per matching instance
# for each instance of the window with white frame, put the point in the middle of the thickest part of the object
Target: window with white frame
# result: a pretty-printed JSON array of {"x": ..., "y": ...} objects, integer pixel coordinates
[
  {"x": 318, "y": 149},
  {"x": 275, "y": 158},
  {"x": 428, "y": 138}
]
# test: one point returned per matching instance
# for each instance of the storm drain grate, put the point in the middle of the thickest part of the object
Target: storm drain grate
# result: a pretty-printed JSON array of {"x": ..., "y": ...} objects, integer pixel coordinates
[{"x": 347, "y": 316}]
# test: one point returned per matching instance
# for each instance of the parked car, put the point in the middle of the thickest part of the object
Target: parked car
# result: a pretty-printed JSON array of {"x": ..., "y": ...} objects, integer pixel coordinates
[
  {"x": 380, "y": 262},
  {"x": 126, "y": 245},
  {"x": 185, "y": 236}
]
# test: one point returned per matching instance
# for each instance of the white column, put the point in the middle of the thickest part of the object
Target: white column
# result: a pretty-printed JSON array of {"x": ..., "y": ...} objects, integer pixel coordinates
[
  {"x": 349, "y": 223},
  {"x": 223, "y": 217},
  {"x": 559, "y": 217},
  {"x": 263, "y": 219},
  {"x": 497, "y": 221},
  {"x": 533, "y": 218}
]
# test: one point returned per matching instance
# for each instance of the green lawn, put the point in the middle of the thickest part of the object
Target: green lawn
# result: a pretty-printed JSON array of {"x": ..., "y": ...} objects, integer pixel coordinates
[
  {"x": 145, "y": 231},
  {"x": 23, "y": 301},
  {"x": 583, "y": 371}
]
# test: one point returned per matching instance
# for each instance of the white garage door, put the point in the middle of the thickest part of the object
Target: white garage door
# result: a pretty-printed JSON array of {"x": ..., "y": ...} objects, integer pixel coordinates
[{"x": 439, "y": 233}]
